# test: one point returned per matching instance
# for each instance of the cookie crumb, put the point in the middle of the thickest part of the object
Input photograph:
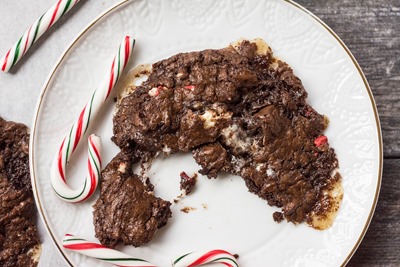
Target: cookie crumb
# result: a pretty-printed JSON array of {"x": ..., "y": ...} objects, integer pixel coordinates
[
  {"x": 188, "y": 209},
  {"x": 278, "y": 216},
  {"x": 187, "y": 183}
]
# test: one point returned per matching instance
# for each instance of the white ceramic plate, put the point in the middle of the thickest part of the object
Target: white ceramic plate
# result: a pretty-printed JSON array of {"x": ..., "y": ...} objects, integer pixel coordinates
[{"x": 226, "y": 215}]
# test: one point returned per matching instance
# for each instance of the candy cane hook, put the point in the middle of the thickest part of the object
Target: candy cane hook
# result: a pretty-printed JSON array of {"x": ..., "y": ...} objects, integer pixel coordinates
[{"x": 79, "y": 128}]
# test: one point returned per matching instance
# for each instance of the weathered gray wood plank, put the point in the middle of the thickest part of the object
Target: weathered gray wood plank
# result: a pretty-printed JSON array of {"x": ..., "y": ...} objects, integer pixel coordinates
[
  {"x": 371, "y": 29},
  {"x": 381, "y": 244}
]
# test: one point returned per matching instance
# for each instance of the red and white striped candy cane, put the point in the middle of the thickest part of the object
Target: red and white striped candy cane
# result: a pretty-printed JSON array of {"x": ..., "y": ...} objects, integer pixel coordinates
[
  {"x": 103, "y": 253},
  {"x": 34, "y": 32},
  {"x": 205, "y": 257},
  {"x": 79, "y": 128}
]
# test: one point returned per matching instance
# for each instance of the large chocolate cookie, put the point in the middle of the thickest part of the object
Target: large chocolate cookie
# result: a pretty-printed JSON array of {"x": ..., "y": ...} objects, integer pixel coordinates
[{"x": 243, "y": 111}]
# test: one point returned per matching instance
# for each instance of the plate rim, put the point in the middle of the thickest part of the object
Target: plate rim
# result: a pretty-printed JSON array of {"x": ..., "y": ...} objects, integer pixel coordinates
[{"x": 119, "y": 4}]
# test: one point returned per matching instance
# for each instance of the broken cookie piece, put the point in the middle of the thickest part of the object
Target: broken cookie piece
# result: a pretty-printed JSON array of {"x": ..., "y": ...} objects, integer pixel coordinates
[
  {"x": 19, "y": 239},
  {"x": 127, "y": 211},
  {"x": 187, "y": 183}
]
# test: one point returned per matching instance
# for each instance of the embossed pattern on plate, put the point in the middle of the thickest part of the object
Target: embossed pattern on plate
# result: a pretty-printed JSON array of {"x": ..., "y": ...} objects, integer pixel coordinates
[{"x": 226, "y": 215}]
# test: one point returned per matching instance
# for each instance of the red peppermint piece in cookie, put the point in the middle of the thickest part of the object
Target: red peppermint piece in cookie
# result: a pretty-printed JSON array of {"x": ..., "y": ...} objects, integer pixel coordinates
[
  {"x": 320, "y": 140},
  {"x": 189, "y": 87}
]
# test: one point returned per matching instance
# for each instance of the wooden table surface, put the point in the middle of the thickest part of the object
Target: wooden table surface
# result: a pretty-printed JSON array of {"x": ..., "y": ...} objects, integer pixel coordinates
[{"x": 371, "y": 29}]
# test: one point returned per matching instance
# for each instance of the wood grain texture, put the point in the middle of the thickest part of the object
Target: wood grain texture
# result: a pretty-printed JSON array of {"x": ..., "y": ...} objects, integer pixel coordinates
[
  {"x": 371, "y": 29},
  {"x": 381, "y": 244}
]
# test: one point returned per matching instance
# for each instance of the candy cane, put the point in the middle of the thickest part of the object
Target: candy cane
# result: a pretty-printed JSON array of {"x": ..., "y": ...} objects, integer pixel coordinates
[
  {"x": 79, "y": 128},
  {"x": 102, "y": 253},
  {"x": 210, "y": 256},
  {"x": 37, "y": 29}
]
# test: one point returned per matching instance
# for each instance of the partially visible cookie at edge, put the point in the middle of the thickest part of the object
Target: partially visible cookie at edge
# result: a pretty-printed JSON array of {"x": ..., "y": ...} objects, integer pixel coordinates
[{"x": 19, "y": 239}]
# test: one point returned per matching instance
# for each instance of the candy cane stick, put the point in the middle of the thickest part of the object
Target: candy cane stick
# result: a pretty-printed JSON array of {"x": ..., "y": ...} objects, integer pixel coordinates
[
  {"x": 34, "y": 32},
  {"x": 102, "y": 253},
  {"x": 202, "y": 258},
  {"x": 79, "y": 128}
]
